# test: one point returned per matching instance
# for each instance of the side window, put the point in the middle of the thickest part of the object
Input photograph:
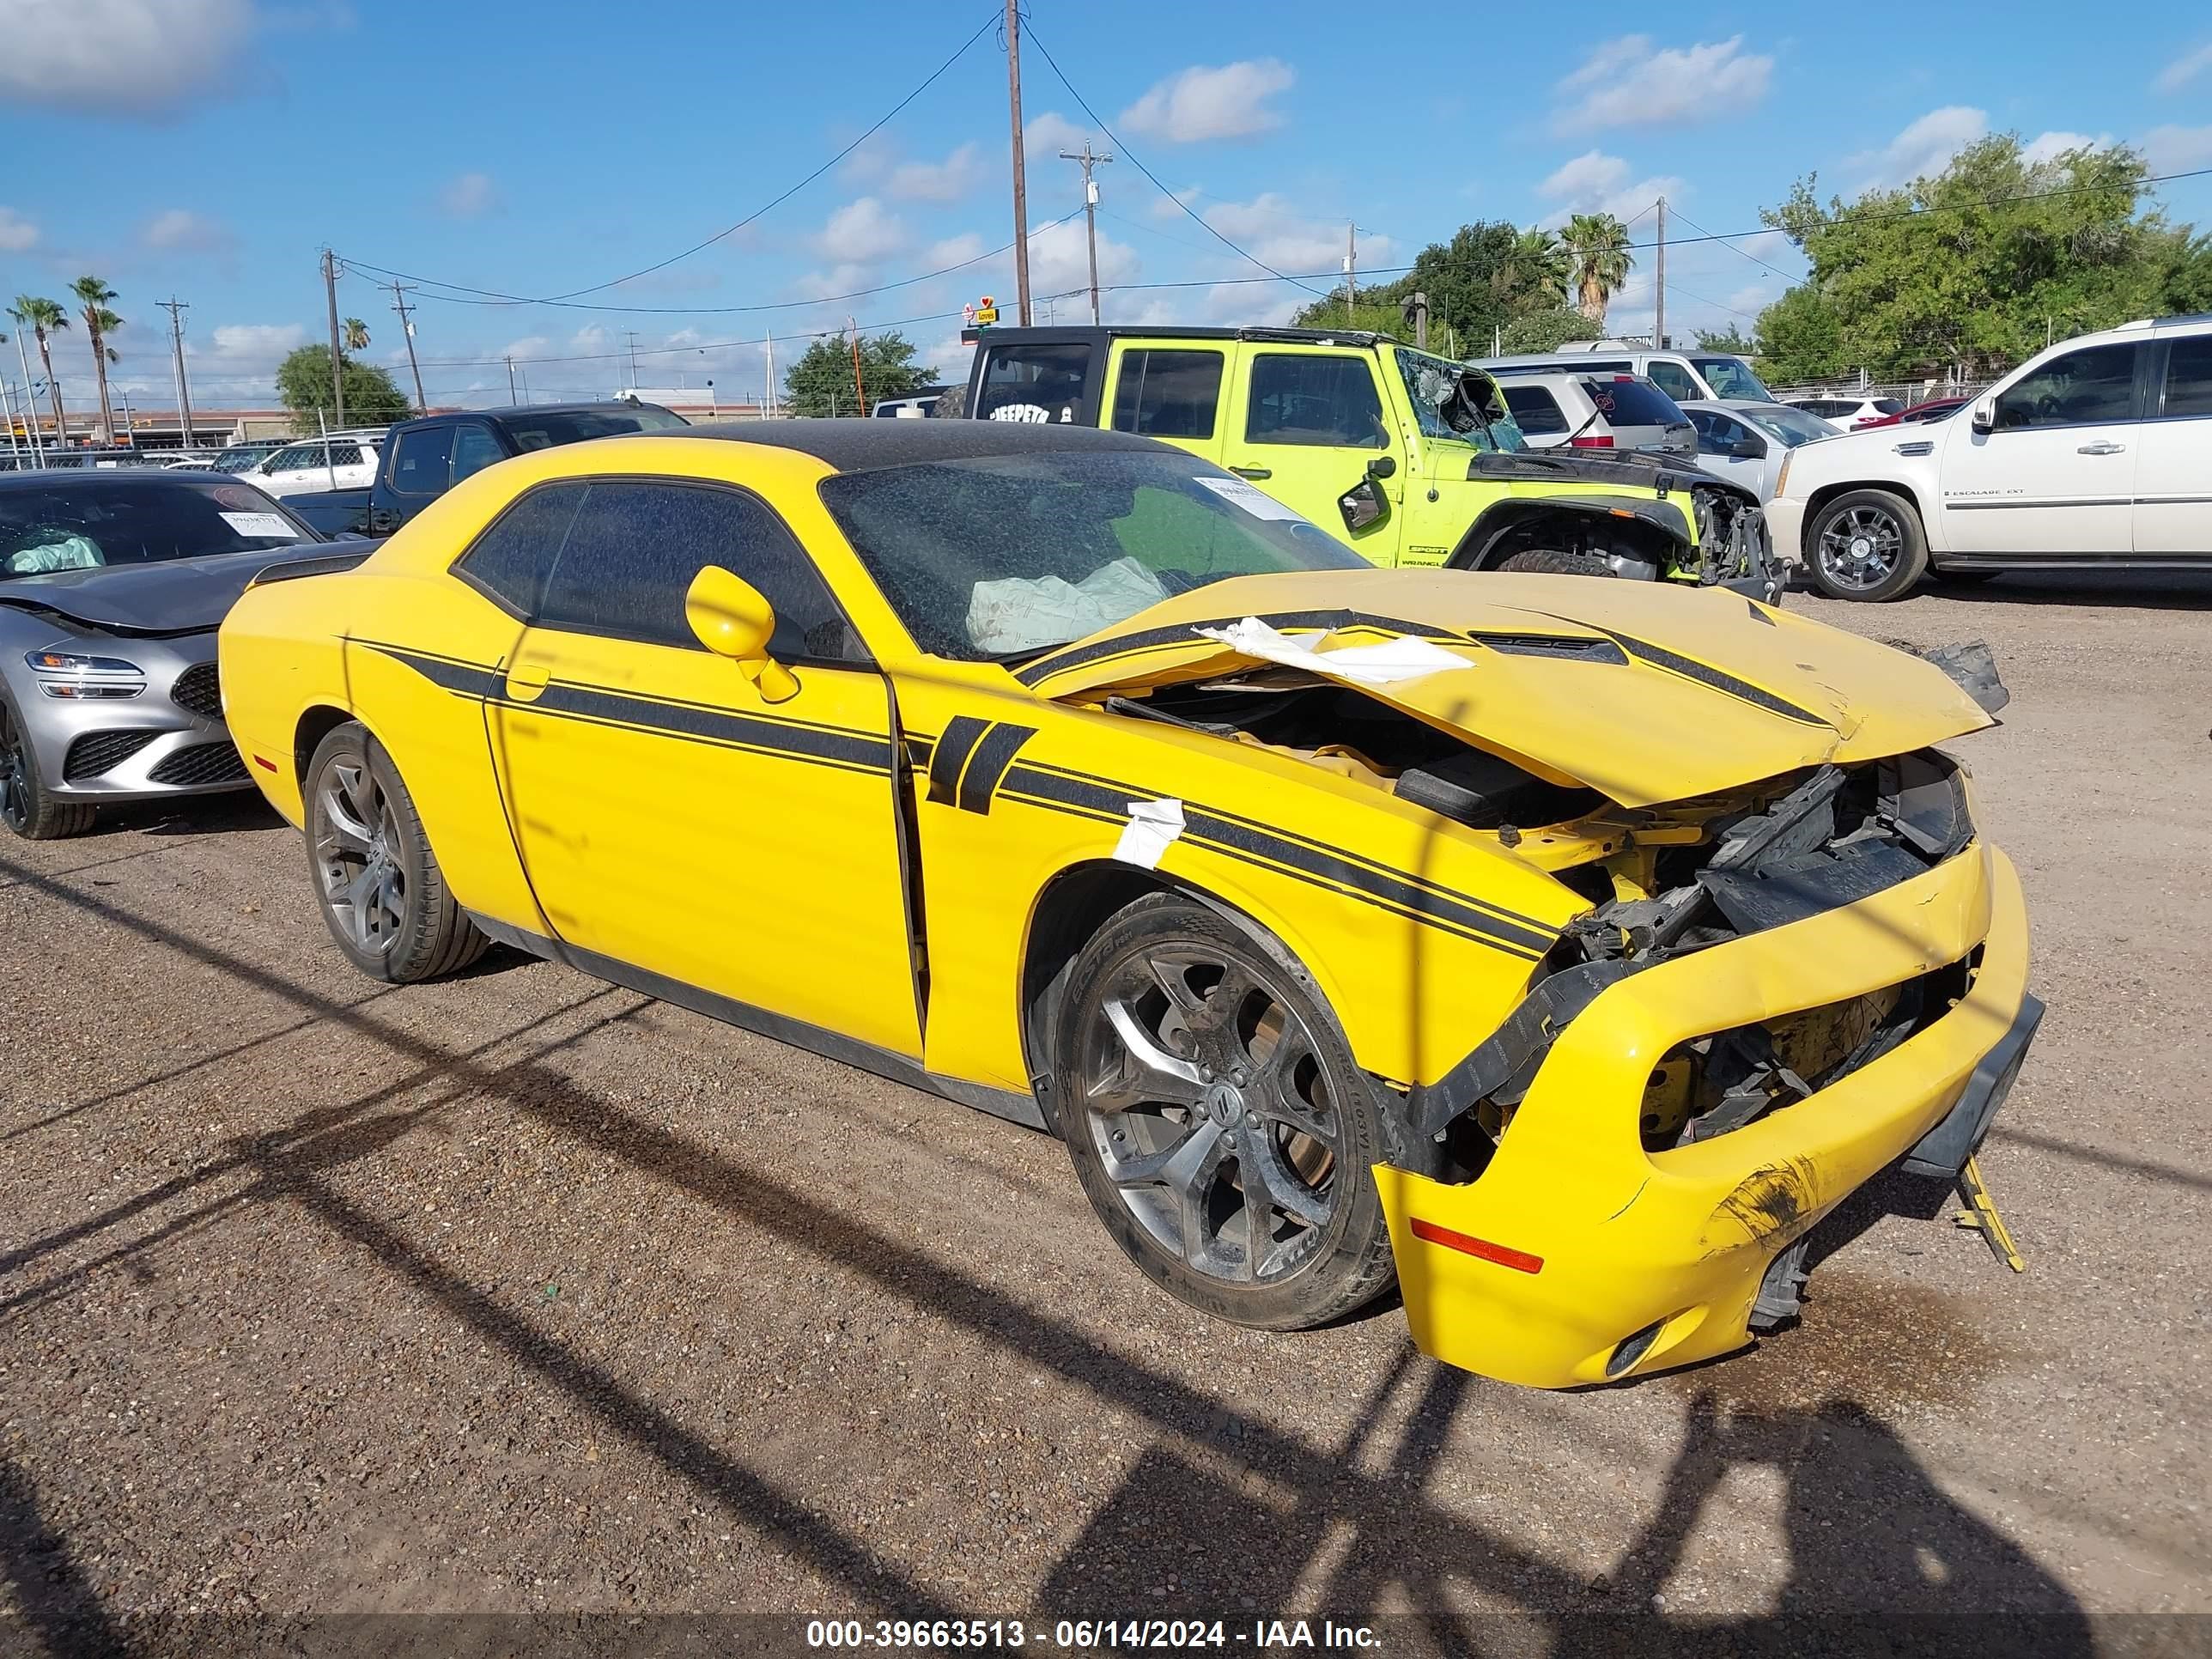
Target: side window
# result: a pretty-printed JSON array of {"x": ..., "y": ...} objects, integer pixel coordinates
[
  {"x": 1672, "y": 378},
  {"x": 1536, "y": 410},
  {"x": 1168, "y": 394},
  {"x": 635, "y": 547},
  {"x": 2097, "y": 384},
  {"x": 291, "y": 460},
  {"x": 2188, "y": 378},
  {"x": 474, "y": 449},
  {"x": 1034, "y": 382},
  {"x": 510, "y": 560},
  {"x": 420, "y": 465},
  {"x": 345, "y": 454},
  {"x": 1302, "y": 399}
]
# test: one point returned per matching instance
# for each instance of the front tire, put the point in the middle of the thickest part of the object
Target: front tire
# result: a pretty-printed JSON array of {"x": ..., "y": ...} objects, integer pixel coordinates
[
  {"x": 382, "y": 895},
  {"x": 27, "y": 806},
  {"x": 1867, "y": 545},
  {"x": 1218, "y": 1121},
  {"x": 1557, "y": 561}
]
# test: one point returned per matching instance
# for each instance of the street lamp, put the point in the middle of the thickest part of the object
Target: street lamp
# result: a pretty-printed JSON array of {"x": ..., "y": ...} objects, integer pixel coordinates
[{"x": 712, "y": 414}]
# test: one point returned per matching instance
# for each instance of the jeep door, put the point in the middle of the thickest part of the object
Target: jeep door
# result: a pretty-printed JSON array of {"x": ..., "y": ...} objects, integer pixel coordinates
[
  {"x": 1171, "y": 391},
  {"x": 1306, "y": 424}
]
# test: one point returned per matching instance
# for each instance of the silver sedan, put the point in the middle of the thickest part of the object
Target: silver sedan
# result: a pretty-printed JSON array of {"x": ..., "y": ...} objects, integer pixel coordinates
[{"x": 1745, "y": 442}]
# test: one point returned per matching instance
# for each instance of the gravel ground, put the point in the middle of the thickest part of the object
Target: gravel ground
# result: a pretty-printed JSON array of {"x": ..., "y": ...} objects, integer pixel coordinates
[{"x": 524, "y": 1294}]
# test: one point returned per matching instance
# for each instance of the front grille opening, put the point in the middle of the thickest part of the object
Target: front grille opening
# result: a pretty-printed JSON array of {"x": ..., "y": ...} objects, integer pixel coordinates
[
  {"x": 201, "y": 765},
  {"x": 1713, "y": 1084},
  {"x": 96, "y": 753},
  {"x": 200, "y": 689}
]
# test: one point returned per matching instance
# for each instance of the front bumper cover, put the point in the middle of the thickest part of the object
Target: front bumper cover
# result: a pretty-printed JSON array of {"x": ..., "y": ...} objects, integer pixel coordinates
[{"x": 1623, "y": 1241}]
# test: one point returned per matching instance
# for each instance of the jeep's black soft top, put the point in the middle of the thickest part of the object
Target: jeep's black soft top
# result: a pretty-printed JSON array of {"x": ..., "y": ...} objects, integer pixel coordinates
[{"x": 1354, "y": 337}]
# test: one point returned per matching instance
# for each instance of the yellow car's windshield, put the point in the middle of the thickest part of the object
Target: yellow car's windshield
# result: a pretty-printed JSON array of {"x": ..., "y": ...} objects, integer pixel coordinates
[{"x": 1003, "y": 556}]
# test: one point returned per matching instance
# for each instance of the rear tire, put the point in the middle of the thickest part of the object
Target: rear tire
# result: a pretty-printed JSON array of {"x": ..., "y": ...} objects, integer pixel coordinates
[
  {"x": 1867, "y": 545},
  {"x": 382, "y": 895},
  {"x": 26, "y": 805},
  {"x": 1208, "y": 1101},
  {"x": 1557, "y": 561}
]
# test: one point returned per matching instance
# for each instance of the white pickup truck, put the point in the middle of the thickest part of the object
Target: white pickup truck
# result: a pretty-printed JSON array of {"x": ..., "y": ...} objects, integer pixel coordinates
[{"x": 2095, "y": 454}]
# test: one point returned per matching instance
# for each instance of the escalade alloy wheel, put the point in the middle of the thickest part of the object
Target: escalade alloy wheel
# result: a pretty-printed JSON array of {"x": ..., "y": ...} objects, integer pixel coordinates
[
  {"x": 1217, "y": 1122},
  {"x": 1867, "y": 544}
]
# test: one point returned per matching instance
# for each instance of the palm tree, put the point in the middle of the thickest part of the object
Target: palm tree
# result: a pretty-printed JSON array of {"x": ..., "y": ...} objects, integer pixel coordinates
[
  {"x": 99, "y": 323},
  {"x": 357, "y": 334},
  {"x": 42, "y": 318},
  {"x": 1538, "y": 264},
  {"x": 1597, "y": 249}
]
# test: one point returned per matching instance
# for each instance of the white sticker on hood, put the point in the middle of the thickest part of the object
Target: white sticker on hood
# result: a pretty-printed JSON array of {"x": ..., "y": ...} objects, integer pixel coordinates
[
  {"x": 267, "y": 524},
  {"x": 1385, "y": 663},
  {"x": 1153, "y": 827},
  {"x": 1258, "y": 502}
]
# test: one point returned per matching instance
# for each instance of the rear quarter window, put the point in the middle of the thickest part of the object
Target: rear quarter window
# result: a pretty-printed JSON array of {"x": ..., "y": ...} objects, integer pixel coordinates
[
  {"x": 1168, "y": 394},
  {"x": 1625, "y": 402},
  {"x": 1536, "y": 410},
  {"x": 1035, "y": 381}
]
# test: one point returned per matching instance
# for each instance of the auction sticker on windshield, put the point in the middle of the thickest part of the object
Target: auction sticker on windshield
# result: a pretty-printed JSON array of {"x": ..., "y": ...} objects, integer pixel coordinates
[
  {"x": 1258, "y": 502},
  {"x": 260, "y": 524}
]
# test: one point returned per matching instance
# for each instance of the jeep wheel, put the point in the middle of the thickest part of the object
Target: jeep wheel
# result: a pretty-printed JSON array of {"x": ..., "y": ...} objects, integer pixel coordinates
[
  {"x": 1556, "y": 561},
  {"x": 1867, "y": 545}
]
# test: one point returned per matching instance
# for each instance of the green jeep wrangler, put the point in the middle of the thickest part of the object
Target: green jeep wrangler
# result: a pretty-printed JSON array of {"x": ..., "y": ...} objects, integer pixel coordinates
[{"x": 1410, "y": 458}]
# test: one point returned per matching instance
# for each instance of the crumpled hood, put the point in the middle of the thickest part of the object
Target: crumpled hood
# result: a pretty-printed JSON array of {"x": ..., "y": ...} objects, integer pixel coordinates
[
  {"x": 1645, "y": 691},
  {"x": 173, "y": 596}
]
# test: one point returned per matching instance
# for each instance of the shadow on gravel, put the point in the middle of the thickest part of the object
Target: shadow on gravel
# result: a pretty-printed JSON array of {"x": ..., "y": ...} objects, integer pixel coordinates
[
  {"x": 2132, "y": 590},
  {"x": 51, "y": 1600},
  {"x": 1283, "y": 1522}
]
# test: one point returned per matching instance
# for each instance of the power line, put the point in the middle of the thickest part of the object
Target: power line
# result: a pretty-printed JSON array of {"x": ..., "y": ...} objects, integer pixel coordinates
[
  {"x": 1733, "y": 248},
  {"x": 1037, "y": 40},
  {"x": 494, "y": 295}
]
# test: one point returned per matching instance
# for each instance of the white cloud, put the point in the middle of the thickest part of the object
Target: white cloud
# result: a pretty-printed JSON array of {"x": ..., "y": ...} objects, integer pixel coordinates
[
  {"x": 470, "y": 195},
  {"x": 180, "y": 231},
  {"x": 1052, "y": 132},
  {"x": 2182, "y": 70},
  {"x": 839, "y": 279},
  {"x": 134, "y": 57},
  {"x": 859, "y": 231},
  {"x": 17, "y": 233},
  {"x": 955, "y": 251},
  {"x": 1750, "y": 300},
  {"x": 936, "y": 181},
  {"x": 1163, "y": 208},
  {"x": 1058, "y": 263},
  {"x": 1923, "y": 148},
  {"x": 1199, "y": 103},
  {"x": 237, "y": 361},
  {"x": 1272, "y": 229},
  {"x": 1626, "y": 82},
  {"x": 2050, "y": 146},
  {"x": 1594, "y": 182},
  {"x": 2177, "y": 149}
]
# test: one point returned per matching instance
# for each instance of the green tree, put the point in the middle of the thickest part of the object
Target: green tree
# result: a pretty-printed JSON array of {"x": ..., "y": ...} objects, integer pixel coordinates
[
  {"x": 1373, "y": 316},
  {"x": 357, "y": 334},
  {"x": 1537, "y": 270},
  {"x": 820, "y": 382},
  {"x": 1547, "y": 330},
  {"x": 303, "y": 385},
  {"x": 95, "y": 296},
  {"x": 1731, "y": 339},
  {"x": 1800, "y": 338},
  {"x": 1975, "y": 268},
  {"x": 1599, "y": 260},
  {"x": 43, "y": 318}
]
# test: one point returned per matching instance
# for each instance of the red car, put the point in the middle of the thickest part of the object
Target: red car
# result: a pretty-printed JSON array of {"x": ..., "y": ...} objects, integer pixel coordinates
[{"x": 1934, "y": 409}]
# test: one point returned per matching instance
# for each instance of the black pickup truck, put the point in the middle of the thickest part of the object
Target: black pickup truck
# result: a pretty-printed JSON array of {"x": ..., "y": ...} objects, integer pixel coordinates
[{"x": 422, "y": 459}]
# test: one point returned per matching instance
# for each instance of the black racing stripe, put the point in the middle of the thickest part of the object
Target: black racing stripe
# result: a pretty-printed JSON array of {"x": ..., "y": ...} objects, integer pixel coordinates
[
  {"x": 1659, "y": 657},
  {"x": 792, "y": 739},
  {"x": 1554, "y": 645},
  {"x": 918, "y": 749},
  {"x": 951, "y": 754},
  {"x": 470, "y": 679},
  {"x": 988, "y": 765},
  {"x": 1152, "y": 639},
  {"x": 855, "y": 749},
  {"x": 1094, "y": 798}
]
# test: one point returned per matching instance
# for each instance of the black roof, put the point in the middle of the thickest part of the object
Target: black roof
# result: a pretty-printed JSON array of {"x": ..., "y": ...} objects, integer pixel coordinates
[
  {"x": 1352, "y": 337},
  {"x": 82, "y": 478},
  {"x": 862, "y": 446},
  {"x": 499, "y": 414}
]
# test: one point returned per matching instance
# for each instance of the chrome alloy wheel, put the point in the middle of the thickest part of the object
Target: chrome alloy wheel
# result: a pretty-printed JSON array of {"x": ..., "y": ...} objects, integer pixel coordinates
[
  {"x": 1861, "y": 547},
  {"x": 1206, "y": 1098},
  {"x": 363, "y": 884}
]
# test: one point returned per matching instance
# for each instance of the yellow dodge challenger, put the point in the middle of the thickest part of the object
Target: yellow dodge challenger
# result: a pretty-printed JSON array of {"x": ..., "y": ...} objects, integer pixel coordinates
[{"x": 1560, "y": 949}]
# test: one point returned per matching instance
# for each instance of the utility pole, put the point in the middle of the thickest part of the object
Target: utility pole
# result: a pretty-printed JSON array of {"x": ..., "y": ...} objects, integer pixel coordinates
[
  {"x": 1421, "y": 320},
  {"x": 768, "y": 345},
  {"x": 407, "y": 327},
  {"x": 31, "y": 406},
  {"x": 1659, "y": 311},
  {"x": 631, "y": 334},
  {"x": 176, "y": 308},
  {"x": 1021, "y": 184},
  {"x": 1350, "y": 270},
  {"x": 1090, "y": 216},
  {"x": 338, "y": 361},
  {"x": 859, "y": 391},
  {"x": 510, "y": 379}
]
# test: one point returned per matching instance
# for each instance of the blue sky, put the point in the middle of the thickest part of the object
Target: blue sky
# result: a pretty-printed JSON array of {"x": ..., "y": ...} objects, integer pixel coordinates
[{"x": 208, "y": 149}]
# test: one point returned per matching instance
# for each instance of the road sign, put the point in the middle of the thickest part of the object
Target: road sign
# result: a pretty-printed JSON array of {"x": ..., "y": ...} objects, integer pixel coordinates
[{"x": 987, "y": 312}]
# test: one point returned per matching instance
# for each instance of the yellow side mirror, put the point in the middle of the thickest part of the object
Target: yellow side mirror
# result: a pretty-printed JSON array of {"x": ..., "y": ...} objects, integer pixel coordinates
[{"x": 731, "y": 619}]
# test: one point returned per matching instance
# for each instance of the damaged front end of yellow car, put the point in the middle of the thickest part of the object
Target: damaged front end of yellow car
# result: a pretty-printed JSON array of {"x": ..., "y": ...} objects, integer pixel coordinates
[{"x": 1797, "y": 962}]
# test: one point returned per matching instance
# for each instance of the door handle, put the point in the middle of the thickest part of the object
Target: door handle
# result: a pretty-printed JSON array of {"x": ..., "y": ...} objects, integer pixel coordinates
[
  {"x": 2102, "y": 449},
  {"x": 1254, "y": 471},
  {"x": 526, "y": 681}
]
